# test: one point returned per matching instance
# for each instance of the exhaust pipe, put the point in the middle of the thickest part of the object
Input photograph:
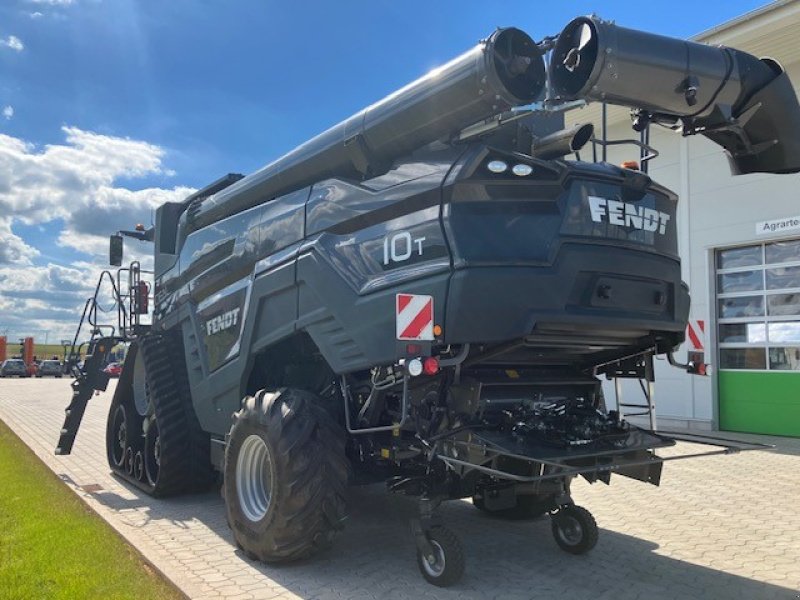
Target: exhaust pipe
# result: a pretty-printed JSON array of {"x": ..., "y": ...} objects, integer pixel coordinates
[
  {"x": 744, "y": 104},
  {"x": 563, "y": 142}
]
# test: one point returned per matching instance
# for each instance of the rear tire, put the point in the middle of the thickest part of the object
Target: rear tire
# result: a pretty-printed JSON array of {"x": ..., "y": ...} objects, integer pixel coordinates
[{"x": 285, "y": 476}]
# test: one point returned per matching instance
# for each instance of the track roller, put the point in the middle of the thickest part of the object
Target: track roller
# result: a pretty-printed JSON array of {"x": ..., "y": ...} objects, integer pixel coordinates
[
  {"x": 117, "y": 435},
  {"x": 138, "y": 466},
  {"x": 129, "y": 461}
]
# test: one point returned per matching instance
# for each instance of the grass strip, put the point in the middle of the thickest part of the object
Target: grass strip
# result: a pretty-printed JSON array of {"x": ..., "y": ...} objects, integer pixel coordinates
[{"x": 52, "y": 545}]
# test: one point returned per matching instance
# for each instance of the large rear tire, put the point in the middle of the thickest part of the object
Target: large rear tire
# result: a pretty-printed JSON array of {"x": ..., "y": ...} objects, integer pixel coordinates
[{"x": 285, "y": 476}]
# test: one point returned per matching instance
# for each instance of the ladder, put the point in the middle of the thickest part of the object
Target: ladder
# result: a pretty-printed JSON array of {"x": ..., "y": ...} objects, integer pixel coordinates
[{"x": 103, "y": 337}]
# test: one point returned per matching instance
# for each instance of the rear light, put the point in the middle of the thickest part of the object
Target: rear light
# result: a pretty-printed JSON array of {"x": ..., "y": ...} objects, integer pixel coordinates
[
  {"x": 430, "y": 365},
  {"x": 699, "y": 368},
  {"x": 414, "y": 367},
  {"x": 522, "y": 170},
  {"x": 497, "y": 166}
]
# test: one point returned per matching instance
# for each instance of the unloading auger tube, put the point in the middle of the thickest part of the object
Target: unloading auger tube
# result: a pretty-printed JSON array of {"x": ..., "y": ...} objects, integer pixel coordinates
[
  {"x": 503, "y": 71},
  {"x": 744, "y": 104}
]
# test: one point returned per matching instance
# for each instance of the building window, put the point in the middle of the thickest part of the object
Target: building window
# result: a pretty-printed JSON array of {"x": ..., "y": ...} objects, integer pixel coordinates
[{"x": 758, "y": 306}]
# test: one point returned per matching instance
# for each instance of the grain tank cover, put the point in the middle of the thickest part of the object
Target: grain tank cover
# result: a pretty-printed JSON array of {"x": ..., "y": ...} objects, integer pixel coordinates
[{"x": 744, "y": 104}]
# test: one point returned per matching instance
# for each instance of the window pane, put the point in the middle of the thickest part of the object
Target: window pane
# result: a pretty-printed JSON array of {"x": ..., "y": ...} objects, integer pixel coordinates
[
  {"x": 744, "y": 281},
  {"x": 739, "y": 257},
  {"x": 785, "y": 359},
  {"x": 783, "y": 252},
  {"x": 786, "y": 277},
  {"x": 749, "y": 333},
  {"x": 747, "y": 306},
  {"x": 784, "y": 304},
  {"x": 742, "y": 358},
  {"x": 784, "y": 332}
]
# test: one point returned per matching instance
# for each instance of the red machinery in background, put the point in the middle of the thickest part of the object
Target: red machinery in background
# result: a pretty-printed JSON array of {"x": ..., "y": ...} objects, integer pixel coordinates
[{"x": 26, "y": 353}]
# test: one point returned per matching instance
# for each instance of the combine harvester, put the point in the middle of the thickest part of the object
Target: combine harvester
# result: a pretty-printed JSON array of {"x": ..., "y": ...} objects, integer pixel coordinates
[{"x": 429, "y": 294}]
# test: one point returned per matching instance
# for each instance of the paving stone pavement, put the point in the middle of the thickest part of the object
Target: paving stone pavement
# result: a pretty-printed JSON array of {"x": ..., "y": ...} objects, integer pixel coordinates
[{"x": 723, "y": 527}]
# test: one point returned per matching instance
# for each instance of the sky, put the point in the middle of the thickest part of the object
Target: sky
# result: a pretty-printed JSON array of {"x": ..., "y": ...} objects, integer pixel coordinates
[{"x": 108, "y": 108}]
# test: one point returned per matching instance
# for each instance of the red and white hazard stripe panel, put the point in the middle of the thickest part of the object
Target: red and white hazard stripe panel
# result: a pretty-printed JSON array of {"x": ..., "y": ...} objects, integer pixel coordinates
[
  {"x": 414, "y": 315},
  {"x": 696, "y": 333}
]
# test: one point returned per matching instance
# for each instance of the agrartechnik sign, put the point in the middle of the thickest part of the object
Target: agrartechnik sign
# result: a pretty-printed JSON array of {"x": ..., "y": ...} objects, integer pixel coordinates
[{"x": 778, "y": 225}]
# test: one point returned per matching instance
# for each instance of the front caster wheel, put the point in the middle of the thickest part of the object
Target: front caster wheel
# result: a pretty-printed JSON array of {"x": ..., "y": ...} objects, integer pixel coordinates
[
  {"x": 574, "y": 529},
  {"x": 445, "y": 565}
]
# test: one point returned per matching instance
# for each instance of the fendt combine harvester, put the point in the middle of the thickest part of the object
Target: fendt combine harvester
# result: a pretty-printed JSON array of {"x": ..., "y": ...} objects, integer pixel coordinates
[{"x": 428, "y": 294}]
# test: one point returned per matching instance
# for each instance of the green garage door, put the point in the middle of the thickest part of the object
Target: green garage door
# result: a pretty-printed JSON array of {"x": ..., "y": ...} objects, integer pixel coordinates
[{"x": 758, "y": 315}]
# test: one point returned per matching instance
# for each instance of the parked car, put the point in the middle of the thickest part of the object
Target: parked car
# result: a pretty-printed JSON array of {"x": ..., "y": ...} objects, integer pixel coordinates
[
  {"x": 50, "y": 368},
  {"x": 13, "y": 367},
  {"x": 113, "y": 369}
]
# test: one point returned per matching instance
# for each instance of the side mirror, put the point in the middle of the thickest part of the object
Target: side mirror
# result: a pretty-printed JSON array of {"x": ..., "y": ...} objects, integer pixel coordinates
[{"x": 115, "y": 250}]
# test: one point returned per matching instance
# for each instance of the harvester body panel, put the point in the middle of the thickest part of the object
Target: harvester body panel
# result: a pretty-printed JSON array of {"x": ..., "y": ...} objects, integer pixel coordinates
[{"x": 579, "y": 252}]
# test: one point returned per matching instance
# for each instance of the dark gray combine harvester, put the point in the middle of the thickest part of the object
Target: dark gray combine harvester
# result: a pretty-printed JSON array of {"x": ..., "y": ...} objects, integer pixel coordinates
[{"x": 428, "y": 294}]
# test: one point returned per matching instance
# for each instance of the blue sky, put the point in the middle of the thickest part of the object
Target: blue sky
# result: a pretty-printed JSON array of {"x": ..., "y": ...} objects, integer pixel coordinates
[{"x": 110, "y": 107}]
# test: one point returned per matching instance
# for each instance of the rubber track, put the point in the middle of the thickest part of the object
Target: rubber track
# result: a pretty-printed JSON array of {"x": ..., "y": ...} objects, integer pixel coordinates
[{"x": 185, "y": 448}]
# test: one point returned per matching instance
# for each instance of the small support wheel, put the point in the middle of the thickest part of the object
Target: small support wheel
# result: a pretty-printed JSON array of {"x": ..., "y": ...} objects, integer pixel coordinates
[
  {"x": 445, "y": 565},
  {"x": 138, "y": 466},
  {"x": 128, "y": 460},
  {"x": 574, "y": 529}
]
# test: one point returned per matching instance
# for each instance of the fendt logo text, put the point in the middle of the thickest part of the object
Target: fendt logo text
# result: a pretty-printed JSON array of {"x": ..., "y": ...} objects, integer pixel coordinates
[
  {"x": 625, "y": 214},
  {"x": 222, "y": 322}
]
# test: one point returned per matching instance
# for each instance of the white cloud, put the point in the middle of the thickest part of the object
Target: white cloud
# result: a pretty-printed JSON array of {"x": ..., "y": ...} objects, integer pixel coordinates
[
  {"x": 13, "y": 250},
  {"x": 12, "y": 42},
  {"x": 47, "y": 298},
  {"x": 53, "y": 2},
  {"x": 8, "y": 112},
  {"x": 76, "y": 182},
  {"x": 36, "y": 15}
]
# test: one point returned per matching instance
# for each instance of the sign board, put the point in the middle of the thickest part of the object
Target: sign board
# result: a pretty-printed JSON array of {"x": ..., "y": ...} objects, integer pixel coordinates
[
  {"x": 778, "y": 226},
  {"x": 414, "y": 317},
  {"x": 696, "y": 333}
]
